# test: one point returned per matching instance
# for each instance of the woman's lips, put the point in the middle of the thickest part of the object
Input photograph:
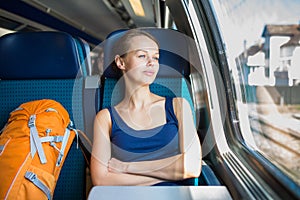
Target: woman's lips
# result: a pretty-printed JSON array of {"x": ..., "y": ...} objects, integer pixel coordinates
[{"x": 149, "y": 73}]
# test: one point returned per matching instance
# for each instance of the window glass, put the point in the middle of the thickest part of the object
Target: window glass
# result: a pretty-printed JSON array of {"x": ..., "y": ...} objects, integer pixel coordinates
[{"x": 263, "y": 50}]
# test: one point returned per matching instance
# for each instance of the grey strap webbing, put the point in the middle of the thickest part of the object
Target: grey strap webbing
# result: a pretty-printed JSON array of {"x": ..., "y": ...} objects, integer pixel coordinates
[
  {"x": 35, "y": 142},
  {"x": 34, "y": 179},
  {"x": 52, "y": 138},
  {"x": 63, "y": 146}
]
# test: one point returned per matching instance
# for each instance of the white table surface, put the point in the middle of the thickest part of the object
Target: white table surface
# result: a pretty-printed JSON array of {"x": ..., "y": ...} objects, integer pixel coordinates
[{"x": 158, "y": 192}]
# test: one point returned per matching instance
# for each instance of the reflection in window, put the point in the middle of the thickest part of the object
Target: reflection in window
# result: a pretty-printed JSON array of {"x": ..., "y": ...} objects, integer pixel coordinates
[{"x": 263, "y": 48}]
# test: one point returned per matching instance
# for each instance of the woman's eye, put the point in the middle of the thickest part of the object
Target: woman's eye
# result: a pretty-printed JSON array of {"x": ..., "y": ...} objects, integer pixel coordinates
[
  {"x": 156, "y": 58},
  {"x": 142, "y": 56}
]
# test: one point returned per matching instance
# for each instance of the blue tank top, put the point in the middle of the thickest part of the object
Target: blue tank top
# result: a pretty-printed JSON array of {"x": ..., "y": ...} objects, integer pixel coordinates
[{"x": 130, "y": 145}]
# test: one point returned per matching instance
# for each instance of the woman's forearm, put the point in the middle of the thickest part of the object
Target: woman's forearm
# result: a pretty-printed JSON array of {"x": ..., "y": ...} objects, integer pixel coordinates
[
  {"x": 181, "y": 166},
  {"x": 101, "y": 175},
  {"x": 171, "y": 168},
  {"x": 123, "y": 179}
]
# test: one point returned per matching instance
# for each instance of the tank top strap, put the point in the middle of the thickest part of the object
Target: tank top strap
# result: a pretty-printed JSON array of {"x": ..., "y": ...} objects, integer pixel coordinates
[
  {"x": 112, "y": 115},
  {"x": 110, "y": 111},
  {"x": 170, "y": 114}
]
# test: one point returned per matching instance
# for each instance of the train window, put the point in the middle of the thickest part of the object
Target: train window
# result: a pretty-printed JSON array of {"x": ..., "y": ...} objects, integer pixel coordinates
[{"x": 262, "y": 40}]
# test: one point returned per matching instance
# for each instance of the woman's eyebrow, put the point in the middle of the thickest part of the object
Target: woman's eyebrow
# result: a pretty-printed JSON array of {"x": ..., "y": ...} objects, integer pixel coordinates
[{"x": 144, "y": 50}]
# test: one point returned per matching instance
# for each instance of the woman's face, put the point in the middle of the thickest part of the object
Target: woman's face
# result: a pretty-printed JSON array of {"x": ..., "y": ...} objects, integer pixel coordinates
[{"x": 141, "y": 61}]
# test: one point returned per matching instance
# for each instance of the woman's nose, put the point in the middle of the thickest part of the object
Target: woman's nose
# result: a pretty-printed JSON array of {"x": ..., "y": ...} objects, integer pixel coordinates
[{"x": 151, "y": 62}]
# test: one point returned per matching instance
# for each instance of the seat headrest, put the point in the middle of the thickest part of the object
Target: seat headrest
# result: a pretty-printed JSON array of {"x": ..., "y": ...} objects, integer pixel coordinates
[
  {"x": 173, "y": 57},
  {"x": 38, "y": 55}
]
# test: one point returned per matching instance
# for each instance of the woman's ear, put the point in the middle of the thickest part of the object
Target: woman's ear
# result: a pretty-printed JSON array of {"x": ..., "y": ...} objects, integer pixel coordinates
[{"x": 120, "y": 62}]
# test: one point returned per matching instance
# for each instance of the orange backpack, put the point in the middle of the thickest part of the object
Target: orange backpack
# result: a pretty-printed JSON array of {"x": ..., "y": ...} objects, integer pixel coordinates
[{"x": 33, "y": 146}]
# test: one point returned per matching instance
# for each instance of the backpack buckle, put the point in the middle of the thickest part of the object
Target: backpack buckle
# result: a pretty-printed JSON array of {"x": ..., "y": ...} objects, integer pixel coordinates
[
  {"x": 30, "y": 176},
  {"x": 31, "y": 122}
]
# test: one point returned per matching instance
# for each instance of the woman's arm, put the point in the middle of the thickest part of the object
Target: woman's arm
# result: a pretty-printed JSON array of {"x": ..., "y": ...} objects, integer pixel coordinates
[
  {"x": 101, "y": 154},
  {"x": 185, "y": 165}
]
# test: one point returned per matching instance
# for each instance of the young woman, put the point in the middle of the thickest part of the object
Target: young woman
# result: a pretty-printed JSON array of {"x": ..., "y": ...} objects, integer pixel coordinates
[{"x": 146, "y": 139}]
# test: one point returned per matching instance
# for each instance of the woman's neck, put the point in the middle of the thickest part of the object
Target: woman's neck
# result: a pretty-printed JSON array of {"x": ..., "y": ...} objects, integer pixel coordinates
[{"x": 137, "y": 97}]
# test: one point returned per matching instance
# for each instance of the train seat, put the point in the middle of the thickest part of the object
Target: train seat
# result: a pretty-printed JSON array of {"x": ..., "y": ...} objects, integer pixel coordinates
[{"x": 37, "y": 65}]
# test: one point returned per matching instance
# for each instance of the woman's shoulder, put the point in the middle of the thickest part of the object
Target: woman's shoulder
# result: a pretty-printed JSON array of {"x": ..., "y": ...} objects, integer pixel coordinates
[
  {"x": 104, "y": 111},
  {"x": 180, "y": 104},
  {"x": 103, "y": 114}
]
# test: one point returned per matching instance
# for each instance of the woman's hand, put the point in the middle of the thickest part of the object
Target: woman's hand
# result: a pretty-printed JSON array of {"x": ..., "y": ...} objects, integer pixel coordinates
[{"x": 117, "y": 166}]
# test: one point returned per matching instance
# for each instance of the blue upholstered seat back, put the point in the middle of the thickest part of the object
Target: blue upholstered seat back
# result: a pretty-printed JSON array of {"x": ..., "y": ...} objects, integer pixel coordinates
[
  {"x": 38, "y": 55},
  {"x": 39, "y": 65}
]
